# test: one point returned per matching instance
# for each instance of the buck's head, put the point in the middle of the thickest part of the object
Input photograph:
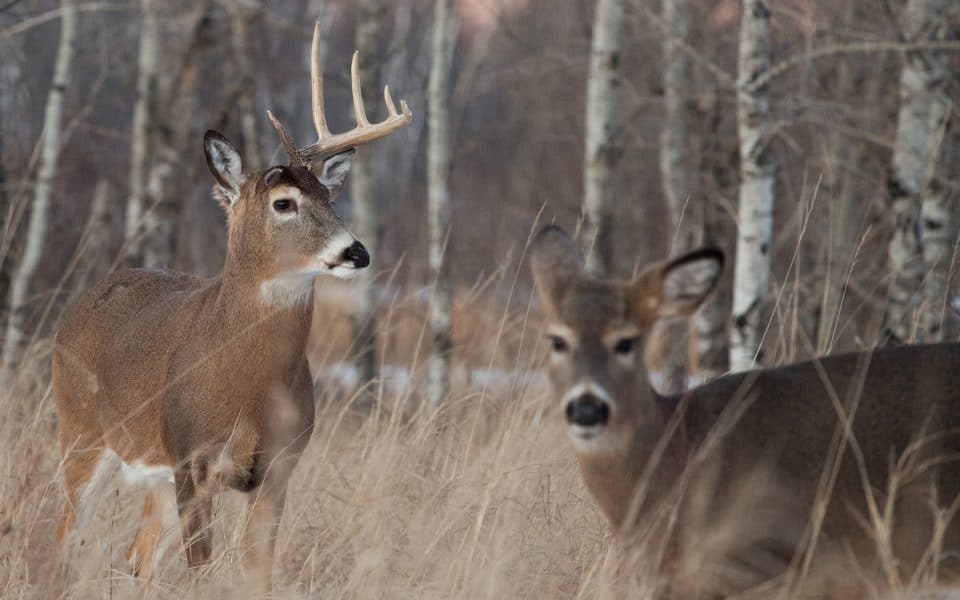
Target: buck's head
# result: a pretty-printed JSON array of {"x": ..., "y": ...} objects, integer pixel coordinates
[
  {"x": 598, "y": 328},
  {"x": 282, "y": 221}
]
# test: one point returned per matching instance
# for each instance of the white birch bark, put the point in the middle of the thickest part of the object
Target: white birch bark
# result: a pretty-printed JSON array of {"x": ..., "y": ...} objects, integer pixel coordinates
[
  {"x": 600, "y": 151},
  {"x": 755, "y": 214},
  {"x": 922, "y": 112},
  {"x": 438, "y": 200},
  {"x": 144, "y": 116},
  {"x": 363, "y": 191},
  {"x": 938, "y": 234},
  {"x": 675, "y": 173},
  {"x": 19, "y": 304}
]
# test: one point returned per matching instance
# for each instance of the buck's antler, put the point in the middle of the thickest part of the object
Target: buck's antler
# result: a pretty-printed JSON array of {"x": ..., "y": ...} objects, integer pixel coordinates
[{"x": 327, "y": 143}]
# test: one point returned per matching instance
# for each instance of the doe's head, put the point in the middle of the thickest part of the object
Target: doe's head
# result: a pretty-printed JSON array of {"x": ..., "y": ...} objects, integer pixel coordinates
[
  {"x": 598, "y": 329},
  {"x": 282, "y": 220}
]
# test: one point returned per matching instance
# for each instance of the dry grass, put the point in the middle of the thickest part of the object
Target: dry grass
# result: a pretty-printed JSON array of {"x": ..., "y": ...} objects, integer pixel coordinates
[
  {"x": 480, "y": 501},
  {"x": 483, "y": 500}
]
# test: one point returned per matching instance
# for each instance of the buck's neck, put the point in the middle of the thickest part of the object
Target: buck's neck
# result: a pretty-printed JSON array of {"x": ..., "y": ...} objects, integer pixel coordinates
[
  {"x": 614, "y": 478},
  {"x": 280, "y": 327}
]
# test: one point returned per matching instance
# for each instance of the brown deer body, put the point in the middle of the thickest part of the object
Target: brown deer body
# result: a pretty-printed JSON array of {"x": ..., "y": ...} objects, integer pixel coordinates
[
  {"x": 851, "y": 456},
  {"x": 201, "y": 382}
]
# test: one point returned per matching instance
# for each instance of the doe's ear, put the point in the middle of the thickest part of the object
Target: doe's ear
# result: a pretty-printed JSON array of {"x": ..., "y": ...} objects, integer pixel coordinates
[
  {"x": 335, "y": 170},
  {"x": 224, "y": 162},
  {"x": 677, "y": 287},
  {"x": 555, "y": 262}
]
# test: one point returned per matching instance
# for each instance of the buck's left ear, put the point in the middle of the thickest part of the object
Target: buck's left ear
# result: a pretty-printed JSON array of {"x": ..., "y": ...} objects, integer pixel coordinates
[
  {"x": 335, "y": 171},
  {"x": 225, "y": 164},
  {"x": 678, "y": 287}
]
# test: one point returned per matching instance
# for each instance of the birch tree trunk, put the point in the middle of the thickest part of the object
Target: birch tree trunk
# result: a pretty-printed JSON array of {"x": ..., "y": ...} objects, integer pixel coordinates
[
  {"x": 675, "y": 171},
  {"x": 363, "y": 191},
  {"x": 755, "y": 214},
  {"x": 601, "y": 152},
  {"x": 246, "y": 26},
  {"x": 144, "y": 119},
  {"x": 40, "y": 207},
  {"x": 938, "y": 234},
  {"x": 173, "y": 135},
  {"x": 710, "y": 341},
  {"x": 438, "y": 199},
  {"x": 921, "y": 114}
]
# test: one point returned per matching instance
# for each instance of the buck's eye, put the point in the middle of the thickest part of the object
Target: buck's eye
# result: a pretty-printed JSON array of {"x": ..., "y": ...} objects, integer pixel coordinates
[
  {"x": 284, "y": 205},
  {"x": 625, "y": 345},
  {"x": 557, "y": 343}
]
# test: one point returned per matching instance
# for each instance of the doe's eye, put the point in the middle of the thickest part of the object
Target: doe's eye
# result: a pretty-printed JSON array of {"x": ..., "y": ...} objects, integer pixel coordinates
[
  {"x": 284, "y": 205},
  {"x": 625, "y": 345},
  {"x": 557, "y": 343}
]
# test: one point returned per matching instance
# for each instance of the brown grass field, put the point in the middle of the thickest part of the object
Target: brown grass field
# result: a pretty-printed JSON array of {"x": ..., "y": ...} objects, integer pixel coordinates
[{"x": 481, "y": 500}]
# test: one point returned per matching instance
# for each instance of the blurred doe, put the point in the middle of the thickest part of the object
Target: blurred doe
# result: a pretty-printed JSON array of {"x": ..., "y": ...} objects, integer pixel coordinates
[
  {"x": 193, "y": 383},
  {"x": 851, "y": 456}
]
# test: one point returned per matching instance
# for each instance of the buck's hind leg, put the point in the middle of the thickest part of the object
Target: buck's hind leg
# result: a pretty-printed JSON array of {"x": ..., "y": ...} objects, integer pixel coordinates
[
  {"x": 159, "y": 529},
  {"x": 87, "y": 474},
  {"x": 194, "y": 505}
]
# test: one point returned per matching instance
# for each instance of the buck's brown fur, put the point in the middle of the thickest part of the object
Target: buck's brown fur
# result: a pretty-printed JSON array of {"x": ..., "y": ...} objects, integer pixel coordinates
[
  {"x": 205, "y": 376},
  {"x": 660, "y": 465}
]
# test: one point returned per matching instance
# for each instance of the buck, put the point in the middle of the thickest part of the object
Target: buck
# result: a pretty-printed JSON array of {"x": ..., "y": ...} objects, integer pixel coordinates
[
  {"x": 856, "y": 452},
  {"x": 193, "y": 384}
]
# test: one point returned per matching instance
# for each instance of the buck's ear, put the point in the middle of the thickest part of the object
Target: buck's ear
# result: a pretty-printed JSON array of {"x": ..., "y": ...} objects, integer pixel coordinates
[
  {"x": 335, "y": 170},
  {"x": 677, "y": 287},
  {"x": 225, "y": 164},
  {"x": 555, "y": 262}
]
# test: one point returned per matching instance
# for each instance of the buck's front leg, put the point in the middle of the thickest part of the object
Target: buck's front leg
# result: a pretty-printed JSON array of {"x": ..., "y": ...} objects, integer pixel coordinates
[
  {"x": 263, "y": 518},
  {"x": 194, "y": 504}
]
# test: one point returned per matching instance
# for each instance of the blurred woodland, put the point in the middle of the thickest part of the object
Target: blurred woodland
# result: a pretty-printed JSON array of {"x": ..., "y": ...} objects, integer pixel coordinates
[{"x": 832, "y": 141}]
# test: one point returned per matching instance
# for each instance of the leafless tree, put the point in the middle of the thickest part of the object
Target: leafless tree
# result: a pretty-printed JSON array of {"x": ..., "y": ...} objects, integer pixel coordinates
[
  {"x": 438, "y": 184},
  {"x": 370, "y": 13},
  {"x": 921, "y": 118},
  {"x": 755, "y": 214},
  {"x": 600, "y": 151},
  {"x": 142, "y": 130},
  {"x": 40, "y": 206}
]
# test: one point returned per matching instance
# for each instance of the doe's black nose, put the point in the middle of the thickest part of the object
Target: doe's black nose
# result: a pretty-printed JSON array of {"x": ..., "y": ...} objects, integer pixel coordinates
[
  {"x": 358, "y": 255},
  {"x": 587, "y": 411}
]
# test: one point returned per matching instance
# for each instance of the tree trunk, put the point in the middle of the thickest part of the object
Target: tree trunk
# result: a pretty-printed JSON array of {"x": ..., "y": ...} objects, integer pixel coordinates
[
  {"x": 438, "y": 170},
  {"x": 922, "y": 113},
  {"x": 40, "y": 207},
  {"x": 709, "y": 355},
  {"x": 144, "y": 120},
  {"x": 363, "y": 190},
  {"x": 96, "y": 260},
  {"x": 755, "y": 214},
  {"x": 675, "y": 171},
  {"x": 938, "y": 234},
  {"x": 164, "y": 200},
  {"x": 601, "y": 152},
  {"x": 246, "y": 21}
]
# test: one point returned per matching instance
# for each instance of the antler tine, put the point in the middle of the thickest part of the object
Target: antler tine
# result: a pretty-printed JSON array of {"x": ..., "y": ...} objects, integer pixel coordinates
[
  {"x": 286, "y": 140},
  {"x": 358, "y": 110},
  {"x": 388, "y": 99},
  {"x": 316, "y": 85}
]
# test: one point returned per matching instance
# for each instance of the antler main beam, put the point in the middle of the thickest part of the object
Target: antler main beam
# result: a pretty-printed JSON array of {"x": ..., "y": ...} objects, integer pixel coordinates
[{"x": 329, "y": 144}]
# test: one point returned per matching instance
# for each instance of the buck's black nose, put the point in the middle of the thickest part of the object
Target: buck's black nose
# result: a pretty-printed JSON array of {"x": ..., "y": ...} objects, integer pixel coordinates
[
  {"x": 588, "y": 411},
  {"x": 358, "y": 255}
]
